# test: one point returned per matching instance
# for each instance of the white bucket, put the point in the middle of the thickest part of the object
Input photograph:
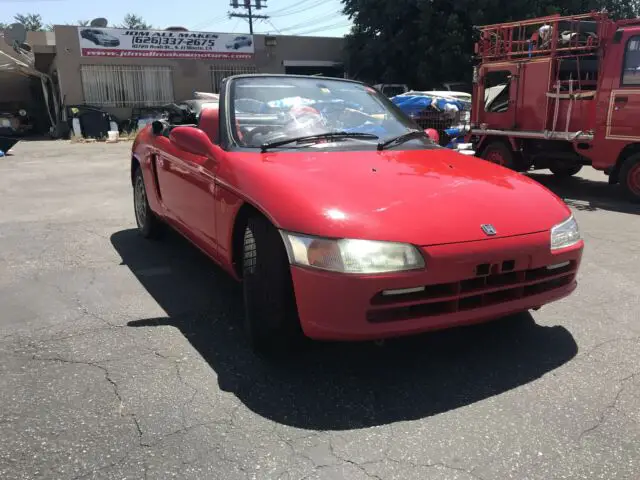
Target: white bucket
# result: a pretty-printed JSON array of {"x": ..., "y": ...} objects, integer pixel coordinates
[{"x": 112, "y": 136}]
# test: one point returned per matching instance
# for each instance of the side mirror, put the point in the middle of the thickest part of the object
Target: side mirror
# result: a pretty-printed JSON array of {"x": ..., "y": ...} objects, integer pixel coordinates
[
  {"x": 157, "y": 127},
  {"x": 194, "y": 140}
]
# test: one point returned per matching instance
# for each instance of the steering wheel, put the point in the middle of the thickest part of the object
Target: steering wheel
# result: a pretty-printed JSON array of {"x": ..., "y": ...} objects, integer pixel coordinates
[{"x": 250, "y": 135}]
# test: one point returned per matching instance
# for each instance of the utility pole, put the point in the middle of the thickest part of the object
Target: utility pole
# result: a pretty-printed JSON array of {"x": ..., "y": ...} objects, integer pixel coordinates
[{"x": 248, "y": 6}]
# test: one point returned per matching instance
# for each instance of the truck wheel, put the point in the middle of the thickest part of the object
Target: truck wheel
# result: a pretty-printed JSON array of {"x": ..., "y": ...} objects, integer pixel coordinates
[
  {"x": 565, "y": 170},
  {"x": 630, "y": 178},
  {"x": 271, "y": 316},
  {"x": 500, "y": 154}
]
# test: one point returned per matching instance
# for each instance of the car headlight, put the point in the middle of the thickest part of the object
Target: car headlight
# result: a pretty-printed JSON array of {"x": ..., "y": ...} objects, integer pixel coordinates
[
  {"x": 351, "y": 256},
  {"x": 565, "y": 234}
]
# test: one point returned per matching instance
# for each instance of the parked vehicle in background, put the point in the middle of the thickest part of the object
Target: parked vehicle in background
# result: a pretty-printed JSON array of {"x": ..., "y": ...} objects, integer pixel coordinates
[
  {"x": 14, "y": 121},
  {"x": 336, "y": 212},
  {"x": 456, "y": 87},
  {"x": 391, "y": 89},
  {"x": 560, "y": 93}
]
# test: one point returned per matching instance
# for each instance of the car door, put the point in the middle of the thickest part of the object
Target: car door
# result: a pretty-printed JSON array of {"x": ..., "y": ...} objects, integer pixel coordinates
[
  {"x": 624, "y": 102},
  {"x": 187, "y": 183}
]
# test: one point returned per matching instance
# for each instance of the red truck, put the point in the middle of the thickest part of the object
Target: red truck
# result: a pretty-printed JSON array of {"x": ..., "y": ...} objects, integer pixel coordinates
[{"x": 560, "y": 92}]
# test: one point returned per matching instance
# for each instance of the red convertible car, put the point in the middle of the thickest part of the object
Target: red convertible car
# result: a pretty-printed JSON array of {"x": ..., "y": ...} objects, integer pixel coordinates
[{"x": 343, "y": 220}]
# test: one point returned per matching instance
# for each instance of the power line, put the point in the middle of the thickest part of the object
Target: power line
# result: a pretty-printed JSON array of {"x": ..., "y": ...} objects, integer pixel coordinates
[
  {"x": 298, "y": 4},
  {"x": 276, "y": 28},
  {"x": 325, "y": 28},
  {"x": 306, "y": 8},
  {"x": 212, "y": 21},
  {"x": 305, "y": 24}
]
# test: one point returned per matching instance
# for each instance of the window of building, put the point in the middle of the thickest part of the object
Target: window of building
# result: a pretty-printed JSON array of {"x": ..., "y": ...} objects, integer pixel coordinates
[
  {"x": 220, "y": 72},
  {"x": 496, "y": 91},
  {"x": 126, "y": 86},
  {"x": 631, "y": 71}
]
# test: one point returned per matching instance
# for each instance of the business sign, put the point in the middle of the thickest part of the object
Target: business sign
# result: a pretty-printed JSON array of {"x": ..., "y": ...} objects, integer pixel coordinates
[{"x": 119, "y": 42}]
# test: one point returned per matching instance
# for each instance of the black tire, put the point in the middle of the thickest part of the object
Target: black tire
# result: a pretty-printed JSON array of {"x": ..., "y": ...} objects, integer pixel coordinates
[
  {"x": 500, "y": 154},
  {"x": 564, "y": 171},
  {"x": 271, "y": 315},
  {"x": 148, "y": 224},
  {"x": 630, "y": 178},
  {"x": 236, "y": 46}
]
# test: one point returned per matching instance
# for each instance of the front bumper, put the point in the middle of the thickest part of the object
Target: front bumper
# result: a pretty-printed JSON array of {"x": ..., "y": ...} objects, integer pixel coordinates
[{"x": 464, "y": 284}]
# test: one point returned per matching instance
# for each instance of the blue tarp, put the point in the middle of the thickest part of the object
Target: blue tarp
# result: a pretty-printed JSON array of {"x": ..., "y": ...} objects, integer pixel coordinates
[{"x": 418, "y": 103}]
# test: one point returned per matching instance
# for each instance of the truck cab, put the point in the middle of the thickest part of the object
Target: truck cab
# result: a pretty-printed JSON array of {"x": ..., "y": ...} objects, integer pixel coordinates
[{"x": 560, "y": 93}]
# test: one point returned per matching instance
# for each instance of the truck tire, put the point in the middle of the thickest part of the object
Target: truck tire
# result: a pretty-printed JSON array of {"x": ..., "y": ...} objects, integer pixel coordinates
[
  {"x": 500, "y": 154},
  {"x": 271, "y": 315},
  {"x": 563, "y": 171},
  {"x": 630, "y": 178}
]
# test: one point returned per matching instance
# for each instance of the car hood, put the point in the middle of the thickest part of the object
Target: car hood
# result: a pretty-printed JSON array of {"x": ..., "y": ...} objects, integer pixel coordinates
[{"x": 423, "y": 197}]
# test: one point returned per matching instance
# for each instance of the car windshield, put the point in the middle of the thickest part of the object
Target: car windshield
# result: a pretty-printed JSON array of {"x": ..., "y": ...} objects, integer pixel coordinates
[{"x": 334, "y": 113}]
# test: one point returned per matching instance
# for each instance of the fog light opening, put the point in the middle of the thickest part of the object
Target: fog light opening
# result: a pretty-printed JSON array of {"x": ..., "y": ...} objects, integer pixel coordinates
[
  {"x": 402, "y": 291},
  {"x": 557, "y": 265}
]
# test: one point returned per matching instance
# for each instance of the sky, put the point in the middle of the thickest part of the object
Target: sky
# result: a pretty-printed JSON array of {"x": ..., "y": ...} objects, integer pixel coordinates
[{"x": 288, "y": 17}]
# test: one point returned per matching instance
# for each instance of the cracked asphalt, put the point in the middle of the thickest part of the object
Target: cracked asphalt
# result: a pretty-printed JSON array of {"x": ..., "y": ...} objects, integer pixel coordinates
[{"x": 123, "y": 359}]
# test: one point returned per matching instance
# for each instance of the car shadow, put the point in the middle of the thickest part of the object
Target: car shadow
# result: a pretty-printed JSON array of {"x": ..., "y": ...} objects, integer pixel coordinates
[
  {"x": 336, "y": 386},
  {"x": 587, "y": 195}
]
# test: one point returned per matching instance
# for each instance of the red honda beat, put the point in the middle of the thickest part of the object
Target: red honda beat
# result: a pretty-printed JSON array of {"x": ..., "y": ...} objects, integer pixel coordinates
[{"x": 343, "y": 220}]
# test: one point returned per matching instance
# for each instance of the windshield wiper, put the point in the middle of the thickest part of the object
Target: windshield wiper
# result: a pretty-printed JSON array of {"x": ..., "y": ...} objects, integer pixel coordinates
[
  {"x": 321, "y": 136},
  {"x": 401, "y": 138}
]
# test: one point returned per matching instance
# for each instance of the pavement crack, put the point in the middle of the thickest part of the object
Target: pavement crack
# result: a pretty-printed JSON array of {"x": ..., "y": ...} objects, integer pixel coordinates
[
  {"x": 470, "y": 472},
  {"x": 114, "y": 385},
  {"x": 351, "y": 462},
  {"x": 613, "y": 405}
]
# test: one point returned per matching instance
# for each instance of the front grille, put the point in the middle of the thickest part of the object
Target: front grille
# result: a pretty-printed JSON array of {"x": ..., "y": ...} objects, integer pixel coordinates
[{"x": 492, "y": 285}]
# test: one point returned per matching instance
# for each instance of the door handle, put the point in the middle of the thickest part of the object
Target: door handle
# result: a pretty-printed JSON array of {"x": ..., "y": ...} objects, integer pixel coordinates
[{"x": 621, "y": 99}]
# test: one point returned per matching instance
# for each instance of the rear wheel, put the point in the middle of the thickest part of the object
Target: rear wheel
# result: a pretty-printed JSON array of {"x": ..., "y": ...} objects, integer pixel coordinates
[
  {"x": 565, "y": 170},
  {"x": 630, "y": 178},
  {"x": 271, "y": 315},
  {"x": 500, "y": 154},
  {"x": 148, "y": 224}
]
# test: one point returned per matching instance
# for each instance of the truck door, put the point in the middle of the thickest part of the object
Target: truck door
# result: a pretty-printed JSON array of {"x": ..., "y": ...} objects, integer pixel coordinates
[
  {"x": 496, "y": 103},
  {"x": 624, "y": 103}
]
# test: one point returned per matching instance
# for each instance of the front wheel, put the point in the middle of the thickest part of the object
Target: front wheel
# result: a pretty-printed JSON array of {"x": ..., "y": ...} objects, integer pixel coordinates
[
  {"x": 271, "y": 315},
  {"x": 563, "y": 171},
  {"x": 630, "y": 178}
]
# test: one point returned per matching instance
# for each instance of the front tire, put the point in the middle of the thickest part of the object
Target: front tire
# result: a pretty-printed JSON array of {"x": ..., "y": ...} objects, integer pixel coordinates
[
  {"x": 271, "y": 316},
  {"x": 148, "y": 224},
  {"x": 630, "y": 178},
  {"x": 565, "y": 171}
]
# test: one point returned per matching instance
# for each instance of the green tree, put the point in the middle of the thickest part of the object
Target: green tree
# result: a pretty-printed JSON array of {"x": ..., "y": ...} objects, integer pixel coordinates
[
  {"x": 31, "y": 21},
  {"x": 424, "y": 43},
  {"x": 134, "y": 22}
]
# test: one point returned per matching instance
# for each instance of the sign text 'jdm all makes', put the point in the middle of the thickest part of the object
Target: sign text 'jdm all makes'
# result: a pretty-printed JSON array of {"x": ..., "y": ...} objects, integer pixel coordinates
[{"x": 116, "y": 42}]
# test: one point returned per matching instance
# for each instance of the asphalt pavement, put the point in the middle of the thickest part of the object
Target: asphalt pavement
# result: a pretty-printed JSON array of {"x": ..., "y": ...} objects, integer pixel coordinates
[{"x": 122, "y": 358}]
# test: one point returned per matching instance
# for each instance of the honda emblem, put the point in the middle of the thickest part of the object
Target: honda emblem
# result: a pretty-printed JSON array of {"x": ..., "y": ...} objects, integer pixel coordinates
[{"x": 488, "y": 229}]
